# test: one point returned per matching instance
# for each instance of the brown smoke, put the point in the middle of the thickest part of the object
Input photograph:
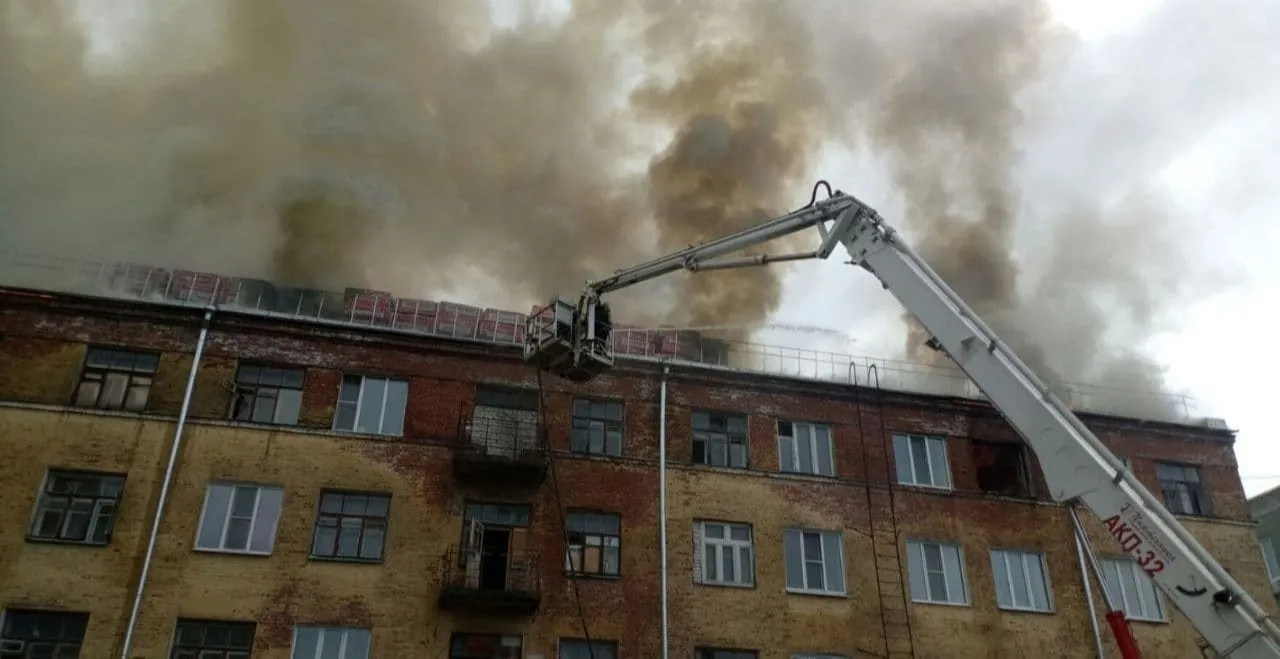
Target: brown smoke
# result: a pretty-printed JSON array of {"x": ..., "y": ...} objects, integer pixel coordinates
[{"x": 412, "y": 146}]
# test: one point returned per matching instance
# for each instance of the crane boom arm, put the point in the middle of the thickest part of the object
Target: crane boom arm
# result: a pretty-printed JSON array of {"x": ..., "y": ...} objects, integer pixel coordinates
[{"x": 1077, "y": 466}]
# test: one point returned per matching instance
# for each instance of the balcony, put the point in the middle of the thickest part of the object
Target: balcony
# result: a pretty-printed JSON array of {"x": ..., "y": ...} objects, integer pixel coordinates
[
  {"x": 500, "y": 446},
  {"x": 490, "y": 581}
]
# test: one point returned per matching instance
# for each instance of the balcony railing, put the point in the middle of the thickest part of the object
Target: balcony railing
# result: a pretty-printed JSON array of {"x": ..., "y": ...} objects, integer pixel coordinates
[
  {"x": 490, "y": 582},
  {"x": 500, "y": 445}
]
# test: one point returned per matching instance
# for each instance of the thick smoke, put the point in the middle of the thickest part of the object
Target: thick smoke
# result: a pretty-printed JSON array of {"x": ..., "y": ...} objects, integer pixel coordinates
[
  {"x": 408, "y": 145},
  {"x": 423, "y": 147}
]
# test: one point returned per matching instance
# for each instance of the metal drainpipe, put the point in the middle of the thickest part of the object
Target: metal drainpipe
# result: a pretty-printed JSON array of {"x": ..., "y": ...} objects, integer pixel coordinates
[
  {"x": 164, "y": 487},
  {"x": 662, "y": 501},
  {"x": 1088, "y": 596}
]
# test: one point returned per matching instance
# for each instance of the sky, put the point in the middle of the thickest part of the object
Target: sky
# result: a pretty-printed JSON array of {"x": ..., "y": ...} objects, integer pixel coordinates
[{"x": 1204, "y": 125}]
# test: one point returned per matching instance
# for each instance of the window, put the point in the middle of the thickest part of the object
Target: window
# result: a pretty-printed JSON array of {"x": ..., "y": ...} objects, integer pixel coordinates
[
  {"x": 239, "y": 518},
  {"x": 30, "y": 634},
  {"x": 1184, "y": 494},
  {"x": 921, "y": 460},
  {"x": 579, "y": 649},
  {"x": 373, "y": 406},
  {"x": 597, "y": 427},
  {"x": 1001, "y": 468},
  {"x": 720, "y": 440},
  {"x": 815, "y": 563},
  {"x": 709, "y": 653},
  {"x": 1130, "y": 588},
  {"x": 267, "y": 395},
  {"x": 505, "y": 422},
  {"x": 1021, "y": 580},
  {"x": 331, "y": 643},
  {"x": 212, "y": 639},
  {"x": 351, "y": 526},
  {"x": 1269, "y": 558},
  {"x": 485, "y": 646},
  {"x": 805, "y": 448},
  {"x": 116, "y": 379},
  {"x": 594, "y": 544},
  {"x": 936, "y": 571},
  {"x": 722, "y": 554},
  {"x": 77, "y": 506}
]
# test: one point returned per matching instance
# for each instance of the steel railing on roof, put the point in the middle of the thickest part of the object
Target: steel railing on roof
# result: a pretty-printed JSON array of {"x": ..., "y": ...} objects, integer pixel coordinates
[{"x": 451, "y": 320}]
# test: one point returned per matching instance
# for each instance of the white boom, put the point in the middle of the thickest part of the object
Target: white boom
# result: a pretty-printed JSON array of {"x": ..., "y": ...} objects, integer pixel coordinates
[{"x": 571, "y": 340}]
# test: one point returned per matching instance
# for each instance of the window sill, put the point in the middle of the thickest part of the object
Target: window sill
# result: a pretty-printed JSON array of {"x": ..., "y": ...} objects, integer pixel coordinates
[
  {"x": 1148, "y": 621},
  {"x": 59, "y": 541},
  {"x": 356, "y": 560},
  {"x": 585, "y": 576},
  {"x": 232, "y": 552},
  {"x": 934, "y": 489},
  {"x": 1014, "y": 609},
  {"x": 961, "y": 605},
  {"x": 725, "y": 584},
  {"x": 817, "y": 593}
]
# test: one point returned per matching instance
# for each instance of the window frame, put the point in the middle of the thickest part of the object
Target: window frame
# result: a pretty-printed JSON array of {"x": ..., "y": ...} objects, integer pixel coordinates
[
  {"x": 929, "y": 440},
  {"x": 1111, "y": 566},
  {"x": 343, "y": 643},
  {"x": 604, "y": 537},
  {"x": 499, "y": 637},
  {"x": 589, "y": 420},
  {"x": 65, "y": 618},
  {"x": 95, "y": 514},
  {"x": 700, "y": 546},
  {"x": 198, "y": 651},
  {"x": 358, "y": 404},
  {"x": 226, "y": 521},
  {"x": 1195, "y": 490},
  {"x": 706, "y": 436},
  {"x": 794, "y": 436},
  {"x": 1023, "y": 555},
  {"x": 1270, "y": 560},
  {"x": 238, "y": 386},
  {"x": 806, "y": 589},
  {"x": 364, "y": 519},
  {"x": 594, "y": 647},
  {"x": 87, "y": 368},
  {"x": 707, "y": 652},
  {"x": 920, "y": 544}
]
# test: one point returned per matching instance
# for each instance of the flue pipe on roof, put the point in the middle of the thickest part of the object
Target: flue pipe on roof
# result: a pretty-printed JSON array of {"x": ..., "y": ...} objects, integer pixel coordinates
[
  {"x": 174, "y": 449},
  {"x": 662, "y": 501}
]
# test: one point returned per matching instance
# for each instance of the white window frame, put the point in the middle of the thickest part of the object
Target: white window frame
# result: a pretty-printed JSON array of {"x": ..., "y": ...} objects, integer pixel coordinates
[
  {"x": 344, "y": 635},
  {"x": 225, "y": 523},
  {"x": 700, "y": 543},
  {"x": 1011, "y": 564},
  {"x": 919, "y": 545},
  {"x": 807, "y": 588},
  {"x": 1114, "y": 569},
  {"x": 937, "y": 481},
  {"x": 382, "y": 414},
  {"x": 811, "y": 435}
]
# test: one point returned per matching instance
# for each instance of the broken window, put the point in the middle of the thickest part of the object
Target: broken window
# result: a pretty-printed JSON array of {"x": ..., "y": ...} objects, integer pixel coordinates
[{"x": 1001, "y": 468}]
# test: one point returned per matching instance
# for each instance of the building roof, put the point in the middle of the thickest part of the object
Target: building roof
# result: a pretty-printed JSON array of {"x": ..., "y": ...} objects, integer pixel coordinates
[{"x": 371, "y": 310}]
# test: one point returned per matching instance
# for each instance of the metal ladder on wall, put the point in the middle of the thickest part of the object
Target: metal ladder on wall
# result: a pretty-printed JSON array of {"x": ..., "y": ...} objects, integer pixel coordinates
[{"x": 895, "y": 616}]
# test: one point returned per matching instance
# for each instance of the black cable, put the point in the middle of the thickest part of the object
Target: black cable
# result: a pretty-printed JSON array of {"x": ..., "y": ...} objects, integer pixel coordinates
[
  {"x": 564, "y": 519},
  {"x": 866, "y": 480},
  {"x": 813, "y": 198}
]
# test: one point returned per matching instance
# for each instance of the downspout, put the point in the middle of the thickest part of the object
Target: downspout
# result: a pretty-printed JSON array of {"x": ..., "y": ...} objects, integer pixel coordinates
[
  {"x": 174, "y": 449},
  {"x": 1088, "y": 597},
  {"x": 662, "y": 501}
]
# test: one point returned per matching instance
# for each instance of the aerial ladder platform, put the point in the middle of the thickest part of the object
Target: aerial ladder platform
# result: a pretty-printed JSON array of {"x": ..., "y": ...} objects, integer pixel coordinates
[{"x": 571, "y": 339}]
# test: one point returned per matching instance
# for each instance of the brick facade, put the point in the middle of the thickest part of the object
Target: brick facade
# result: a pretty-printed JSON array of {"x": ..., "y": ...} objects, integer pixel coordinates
[{"x": 43, "y": 345}]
